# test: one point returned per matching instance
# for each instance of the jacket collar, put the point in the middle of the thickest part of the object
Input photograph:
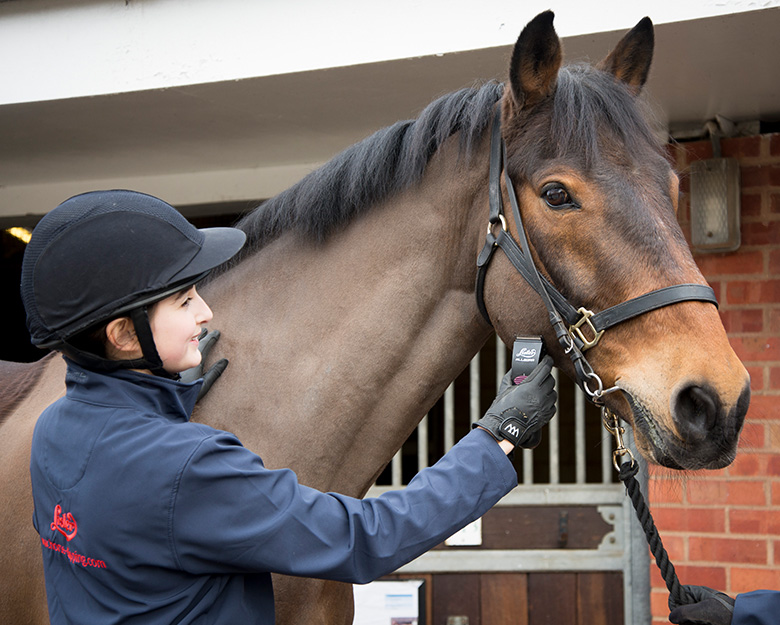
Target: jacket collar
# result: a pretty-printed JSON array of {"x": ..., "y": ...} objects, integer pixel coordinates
[{"x": 131, "y": 389}]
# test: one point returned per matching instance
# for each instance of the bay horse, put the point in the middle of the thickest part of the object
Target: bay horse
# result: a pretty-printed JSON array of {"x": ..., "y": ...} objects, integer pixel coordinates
[{"x": 353, "y": 306}]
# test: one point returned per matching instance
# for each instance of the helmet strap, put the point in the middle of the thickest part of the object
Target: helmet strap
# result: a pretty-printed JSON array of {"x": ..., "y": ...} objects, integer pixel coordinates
[
  {"x": 143, "y": 332},
  {"x": 150, "y": 360}
]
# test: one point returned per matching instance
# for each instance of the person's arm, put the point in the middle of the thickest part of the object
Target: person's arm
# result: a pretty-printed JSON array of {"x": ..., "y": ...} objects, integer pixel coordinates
[{"x": 231, "y": 514}]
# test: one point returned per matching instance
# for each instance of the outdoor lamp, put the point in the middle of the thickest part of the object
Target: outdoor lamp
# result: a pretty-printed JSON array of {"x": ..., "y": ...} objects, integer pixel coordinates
[{"x": 715, "y": 202}]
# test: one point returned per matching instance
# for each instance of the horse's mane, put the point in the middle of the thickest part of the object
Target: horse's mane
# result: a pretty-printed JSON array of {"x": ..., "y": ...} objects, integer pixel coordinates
[
  {"x": 395, "y": 157},
  {"x": 374, "y": 169}
]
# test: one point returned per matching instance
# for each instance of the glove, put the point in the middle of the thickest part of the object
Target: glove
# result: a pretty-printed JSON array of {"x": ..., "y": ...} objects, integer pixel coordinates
[
  {"x": 205, "y": 343},
  {"x": 520, "y": 411},
  {"x": 711, "y": 608}
]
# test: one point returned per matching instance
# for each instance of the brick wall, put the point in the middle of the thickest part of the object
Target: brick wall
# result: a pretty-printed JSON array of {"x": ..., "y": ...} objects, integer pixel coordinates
[{"x": 722, "y": 528}]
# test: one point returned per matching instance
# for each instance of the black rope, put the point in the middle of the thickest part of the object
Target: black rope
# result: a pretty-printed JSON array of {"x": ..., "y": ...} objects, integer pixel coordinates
[{"x": 677, "y": 594}]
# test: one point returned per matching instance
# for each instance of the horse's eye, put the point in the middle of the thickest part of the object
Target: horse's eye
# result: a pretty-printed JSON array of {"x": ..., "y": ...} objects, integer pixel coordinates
[{"x": 557, "y": 197}]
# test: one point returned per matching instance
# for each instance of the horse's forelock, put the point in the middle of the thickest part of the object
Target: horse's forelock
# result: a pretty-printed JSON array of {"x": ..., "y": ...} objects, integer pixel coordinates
[{"x": 590, "y": 116}]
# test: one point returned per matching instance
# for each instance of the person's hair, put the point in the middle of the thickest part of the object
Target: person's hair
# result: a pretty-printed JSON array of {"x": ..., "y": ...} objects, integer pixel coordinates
[{"x": 92, "y": 340}]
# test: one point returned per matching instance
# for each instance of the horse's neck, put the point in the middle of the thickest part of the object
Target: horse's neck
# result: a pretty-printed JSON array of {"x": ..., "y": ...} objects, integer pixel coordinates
[{"x": 338, "y": 350}]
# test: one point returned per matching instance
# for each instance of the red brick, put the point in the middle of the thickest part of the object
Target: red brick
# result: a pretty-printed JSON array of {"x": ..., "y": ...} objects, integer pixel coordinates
[
  {"x": 675, "y": 548},
  {"x": 774, "y": 204},
  {"x": 774, "y": 262},
  {"x": 761, "y": 232},
  {"x": 731, "y": 492},
  {"x": 712, "y": 576},
  {"x": 776, "y": 549},
  {"x": 754, "y": 522},
  {"x": 739, "y": 262},
  {"x": 774, "y": 144},
  {"x": 697, "y": 150},
  {"x": 756, "y": 378},
  {"x": 760, "y": 176},
  {"x": 747, "y": 579},
  {"x": 741, "y": 320},
  {"x": 750, "y": 205},
  {"x": 759, "y": 349},
  {"x": 741, "y": 147},
  {"x": 764, "y": 407},
  {"x": 744, "y": 551},
  {"x": 664, "y": 491},
  {"x": 774, "y": 378},
  {"x": 689, "y": 519},
  {"x": 748, "y": 465},
  {"x": 776, "y": 498},
  {"x": 752, "y": 437},
  {"x": 753, "y": 291},
  {"x": 659, "y": 605},
  {"x": 774, "y": 320}
]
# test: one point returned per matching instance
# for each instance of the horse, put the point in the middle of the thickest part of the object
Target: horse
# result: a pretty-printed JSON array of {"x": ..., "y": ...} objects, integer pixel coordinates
[{"x": 353, "y": 305}]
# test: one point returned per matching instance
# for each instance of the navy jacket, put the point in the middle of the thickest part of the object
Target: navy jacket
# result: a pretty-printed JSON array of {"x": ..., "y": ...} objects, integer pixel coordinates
[
  {"x": 760, "y": 607},
  {"x": 146, "y": 517}
]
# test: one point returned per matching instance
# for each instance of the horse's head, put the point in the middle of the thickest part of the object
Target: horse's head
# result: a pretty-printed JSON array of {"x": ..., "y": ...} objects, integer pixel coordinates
[{"x": 598, "y": 200}]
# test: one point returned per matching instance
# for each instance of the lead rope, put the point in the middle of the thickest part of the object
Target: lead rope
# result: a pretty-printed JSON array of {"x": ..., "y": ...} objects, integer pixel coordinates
[{"x": 627, "y": 474}]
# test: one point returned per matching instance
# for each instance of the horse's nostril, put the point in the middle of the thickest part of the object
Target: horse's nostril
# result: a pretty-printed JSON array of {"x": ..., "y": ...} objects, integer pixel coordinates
[{"x": 696, "y": 413}]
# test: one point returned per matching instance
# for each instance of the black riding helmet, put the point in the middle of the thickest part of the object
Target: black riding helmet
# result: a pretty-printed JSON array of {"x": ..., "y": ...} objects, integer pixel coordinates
[{"x": 105, "y": 254}]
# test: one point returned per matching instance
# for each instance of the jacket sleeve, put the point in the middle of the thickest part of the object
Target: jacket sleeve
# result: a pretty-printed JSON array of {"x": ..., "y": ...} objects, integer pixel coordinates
[
  {"x": 231, "y": 514},
  {"x": 760, "y": 607}
]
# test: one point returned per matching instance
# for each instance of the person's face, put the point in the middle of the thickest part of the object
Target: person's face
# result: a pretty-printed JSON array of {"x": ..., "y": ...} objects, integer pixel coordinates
[{"x": 176, "y": 322}]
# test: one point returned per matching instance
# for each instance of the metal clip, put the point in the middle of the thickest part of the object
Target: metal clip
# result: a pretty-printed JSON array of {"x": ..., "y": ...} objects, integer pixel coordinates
[
  {"x": 502, "y": 219},
  {"x": 612, "y": 425},
  {"x": 576, "y": 328}
]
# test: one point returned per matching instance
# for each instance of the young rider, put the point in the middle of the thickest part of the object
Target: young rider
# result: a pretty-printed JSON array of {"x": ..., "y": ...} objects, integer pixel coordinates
[{"x": 147, "y": 517}]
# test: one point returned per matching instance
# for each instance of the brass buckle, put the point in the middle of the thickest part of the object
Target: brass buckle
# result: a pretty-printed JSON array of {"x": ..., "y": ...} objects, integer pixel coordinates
[{"x": 577, "y": 329}]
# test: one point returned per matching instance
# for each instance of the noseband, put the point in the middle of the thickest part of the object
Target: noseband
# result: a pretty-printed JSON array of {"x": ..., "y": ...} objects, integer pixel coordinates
[{"x": 582, "y": 328}]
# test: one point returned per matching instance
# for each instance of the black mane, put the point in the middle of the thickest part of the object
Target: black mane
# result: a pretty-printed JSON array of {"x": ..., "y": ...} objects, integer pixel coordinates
[{"x": 374, "y": 169}]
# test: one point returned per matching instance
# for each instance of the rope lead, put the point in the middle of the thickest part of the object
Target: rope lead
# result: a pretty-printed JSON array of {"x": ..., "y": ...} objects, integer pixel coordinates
[{"x": 678, "y": 595}]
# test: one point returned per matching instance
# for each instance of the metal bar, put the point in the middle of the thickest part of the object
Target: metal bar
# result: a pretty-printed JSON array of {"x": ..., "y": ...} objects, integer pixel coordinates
[
  {"x": 500, "y": 361},
  {"x": 474, "y": 378},
  {"x": 395, "y": 470},
  {"x": 579, "y": 434},
  {"x": 555, "y": 442},
  {"x": 606, "y": 455},
  {"x": 422, "y": 444},
  {"x": 449, "y": 417},
  {"x": 525, "y": 560},
  {"x": 528, "y": 466}
]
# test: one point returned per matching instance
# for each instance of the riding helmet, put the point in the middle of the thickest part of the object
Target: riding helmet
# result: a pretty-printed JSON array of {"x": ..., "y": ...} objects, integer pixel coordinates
[{"x": 104, "y": 254}]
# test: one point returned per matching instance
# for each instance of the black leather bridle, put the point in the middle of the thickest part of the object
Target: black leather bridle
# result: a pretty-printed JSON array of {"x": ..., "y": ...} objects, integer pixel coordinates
[{"x": 582, "y": 328}]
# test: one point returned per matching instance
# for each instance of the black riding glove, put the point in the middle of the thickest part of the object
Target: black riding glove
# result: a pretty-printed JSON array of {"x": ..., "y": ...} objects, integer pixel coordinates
[
  {"x": 206, "y": 342},
  {"x": 520, "y": 412},
  {"x": 711, "y": 608}
]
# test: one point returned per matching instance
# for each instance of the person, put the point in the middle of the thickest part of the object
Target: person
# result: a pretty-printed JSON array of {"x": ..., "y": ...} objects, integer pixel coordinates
[
  {"x": 710, "y": 607},
  {"x": 147, "y": 517}
]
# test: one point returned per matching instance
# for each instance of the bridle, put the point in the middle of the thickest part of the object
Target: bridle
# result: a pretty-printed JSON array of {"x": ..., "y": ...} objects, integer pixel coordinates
[{"x": 582, "y": 328}]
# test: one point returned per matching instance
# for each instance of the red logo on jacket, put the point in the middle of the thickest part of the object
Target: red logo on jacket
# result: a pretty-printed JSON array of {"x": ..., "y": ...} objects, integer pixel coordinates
[{"x": 64, "y": 523}]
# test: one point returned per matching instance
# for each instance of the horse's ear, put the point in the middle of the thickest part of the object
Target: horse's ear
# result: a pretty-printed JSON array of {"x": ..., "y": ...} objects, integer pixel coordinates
[
  {"x": 631, "y": 58},
  {"x": 536, "y": 60}
]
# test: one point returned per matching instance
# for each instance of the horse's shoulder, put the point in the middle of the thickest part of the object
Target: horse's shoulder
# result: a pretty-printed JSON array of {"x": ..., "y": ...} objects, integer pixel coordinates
[{"x": 17, "y": 379}]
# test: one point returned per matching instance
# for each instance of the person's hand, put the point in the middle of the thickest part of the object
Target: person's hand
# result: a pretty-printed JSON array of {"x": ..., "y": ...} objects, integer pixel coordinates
[
  {"x": 519, "y": 412},
  {"x": 711, "y": 608},
  {"x": 206, "y": 342}
]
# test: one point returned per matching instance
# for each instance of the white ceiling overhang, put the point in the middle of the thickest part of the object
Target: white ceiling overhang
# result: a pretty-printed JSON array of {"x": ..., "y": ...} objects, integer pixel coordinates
[{"x": 209, "y": 136}]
